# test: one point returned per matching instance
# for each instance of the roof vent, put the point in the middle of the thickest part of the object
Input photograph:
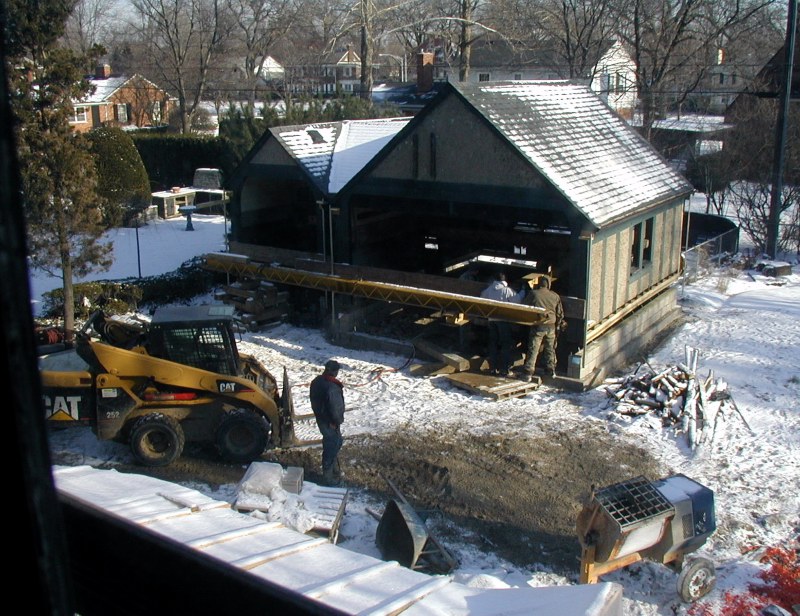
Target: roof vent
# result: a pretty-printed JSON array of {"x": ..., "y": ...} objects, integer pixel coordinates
[{"x": 316, "y": 137}]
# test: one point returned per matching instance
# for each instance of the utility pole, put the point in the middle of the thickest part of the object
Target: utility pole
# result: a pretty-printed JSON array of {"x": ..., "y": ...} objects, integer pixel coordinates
[{"x": 781, "y": 130}]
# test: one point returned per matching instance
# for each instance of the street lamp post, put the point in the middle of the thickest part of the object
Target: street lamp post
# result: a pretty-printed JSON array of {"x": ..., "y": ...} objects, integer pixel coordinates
[
  {"x": 138, "y": 250},
  {"x": 402, "y": 62}
]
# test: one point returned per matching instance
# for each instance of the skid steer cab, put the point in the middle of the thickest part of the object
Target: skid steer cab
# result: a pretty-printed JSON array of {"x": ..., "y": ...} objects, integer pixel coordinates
[{"x": 179, "y": 378}]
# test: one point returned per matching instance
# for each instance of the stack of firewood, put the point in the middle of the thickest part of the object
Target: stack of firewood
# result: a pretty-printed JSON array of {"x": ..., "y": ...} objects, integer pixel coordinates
[{"x": 676, "y": 394}]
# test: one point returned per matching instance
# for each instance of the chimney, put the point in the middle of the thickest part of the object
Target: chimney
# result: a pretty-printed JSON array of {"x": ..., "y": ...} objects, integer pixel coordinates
[
  {"x": 102, "y": 71},
  {"x": 424, "y": 71}
]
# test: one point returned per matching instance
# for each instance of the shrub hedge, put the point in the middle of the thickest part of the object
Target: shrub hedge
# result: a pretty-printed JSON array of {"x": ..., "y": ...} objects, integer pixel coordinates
[
  {"x": 171, "y": 160},
  {"x": 130, "y": 294}
]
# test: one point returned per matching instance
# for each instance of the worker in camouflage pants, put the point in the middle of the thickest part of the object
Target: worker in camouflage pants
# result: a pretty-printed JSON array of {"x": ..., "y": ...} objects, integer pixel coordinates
[{"x": 542, "y": 336}]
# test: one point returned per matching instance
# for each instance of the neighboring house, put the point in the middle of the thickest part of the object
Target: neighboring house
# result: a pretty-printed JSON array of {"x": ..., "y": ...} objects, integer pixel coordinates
[
  {"x": 612, "y": 76},
  {"x": 271, "y": 71},
  {"x": 538, "y": 171},
  {"x": 411, "y": 98},
  {"x": 754, "y": 113},
  {"x": 341, "y": 72},
  {"x": 614, "y": 79},
  {"x": 681, "y": 139},
  {"x": 722, "y": 84},
  {"x": 338, "y": 71},
  {"x": 121, "y": 101}
]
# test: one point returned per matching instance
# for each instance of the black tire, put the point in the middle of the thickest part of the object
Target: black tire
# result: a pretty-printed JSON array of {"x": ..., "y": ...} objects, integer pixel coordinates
[
  {"x": 696, "y": 579},
  {"x": 242, "y": 435},
  {"x": 157, "y": 439}
]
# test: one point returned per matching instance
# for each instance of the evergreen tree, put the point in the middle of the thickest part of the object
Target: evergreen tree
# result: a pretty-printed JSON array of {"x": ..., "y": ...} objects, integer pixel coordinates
[
  {"x": 123, "y": 185},
  {"x": 58, "y": 178}
]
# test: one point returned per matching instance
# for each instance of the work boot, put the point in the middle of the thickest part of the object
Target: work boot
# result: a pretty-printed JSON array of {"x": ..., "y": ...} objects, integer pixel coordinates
[
  {"x": 337, "y": 470},
  {"x": 329, "y": 479}
]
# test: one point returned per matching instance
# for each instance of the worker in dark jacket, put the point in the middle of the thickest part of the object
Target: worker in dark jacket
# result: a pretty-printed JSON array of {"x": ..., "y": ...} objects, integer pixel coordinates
[
  {"x": 542, "y": 336},
  {"x": 327, "y": 402}
]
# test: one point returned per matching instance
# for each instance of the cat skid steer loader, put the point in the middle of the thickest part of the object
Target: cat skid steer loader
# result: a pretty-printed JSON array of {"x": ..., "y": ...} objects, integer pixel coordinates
[{"x": 156, "y": 386}]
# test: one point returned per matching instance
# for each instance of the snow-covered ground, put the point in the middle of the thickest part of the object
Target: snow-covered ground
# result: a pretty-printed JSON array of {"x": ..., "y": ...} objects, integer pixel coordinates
[{"x": 746, "y": 327}]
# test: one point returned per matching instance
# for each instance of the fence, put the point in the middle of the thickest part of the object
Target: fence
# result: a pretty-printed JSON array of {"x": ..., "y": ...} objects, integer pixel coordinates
[{"x": 703, "y": 258}]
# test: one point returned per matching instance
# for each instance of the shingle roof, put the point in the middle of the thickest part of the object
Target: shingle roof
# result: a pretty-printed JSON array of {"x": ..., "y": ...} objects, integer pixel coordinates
[
  {"x": 104, "y": 88},
  {"x": 333, "y": 152},
  {"x": 598, "y": 162}
]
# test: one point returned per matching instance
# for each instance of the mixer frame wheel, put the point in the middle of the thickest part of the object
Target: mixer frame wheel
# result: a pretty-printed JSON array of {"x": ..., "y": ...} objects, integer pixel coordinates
[{"x": 696, "y": 579}]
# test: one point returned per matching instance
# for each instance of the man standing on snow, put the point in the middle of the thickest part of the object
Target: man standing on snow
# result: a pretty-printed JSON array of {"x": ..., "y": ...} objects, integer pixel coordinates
[
  {"x": 327, "y": 402},
  {"x": 500, "y": 331},
  {"x": 543, "y": 335}
]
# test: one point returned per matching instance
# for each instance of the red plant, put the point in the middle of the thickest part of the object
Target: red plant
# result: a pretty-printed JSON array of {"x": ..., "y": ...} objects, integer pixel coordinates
[{"x": 780, "y": 586}]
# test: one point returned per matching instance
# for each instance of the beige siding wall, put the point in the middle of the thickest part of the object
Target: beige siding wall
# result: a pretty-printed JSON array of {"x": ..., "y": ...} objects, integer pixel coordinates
[
  {"x": 254, "y": 191},
  {"x": 613, "y": 283},
  {"x": 272, "y": 154},
  {"x": 451, "y": 146}
]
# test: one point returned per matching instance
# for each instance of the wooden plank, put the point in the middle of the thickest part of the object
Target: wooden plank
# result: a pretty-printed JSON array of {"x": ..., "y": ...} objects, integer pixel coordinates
[
  {"x": 496, "y": 387},
  {"x": 266, "y": 315},
  {"x": 435, "y": 351},
  {"x": 239, "y": 291}
]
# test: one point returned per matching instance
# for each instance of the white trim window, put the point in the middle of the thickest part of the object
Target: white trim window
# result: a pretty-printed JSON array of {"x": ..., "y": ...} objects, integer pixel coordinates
[
  {"x": 122, "y": 113},
  {"x": 79, "y": 115}
]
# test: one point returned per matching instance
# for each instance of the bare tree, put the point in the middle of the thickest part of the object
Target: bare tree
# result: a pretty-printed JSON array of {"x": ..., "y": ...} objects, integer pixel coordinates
[
  {"x": 752, "y": 204},
  {"x": 367, "y": 16},
  {"x": 260, "y": 24},
  {"x": 88, "y": 25},
  {"x": 672, "y": 42},
  {"x": 413, "y": 26},
  {"x": 185, "y": 37},
  {"x": 571, "y": 34}
]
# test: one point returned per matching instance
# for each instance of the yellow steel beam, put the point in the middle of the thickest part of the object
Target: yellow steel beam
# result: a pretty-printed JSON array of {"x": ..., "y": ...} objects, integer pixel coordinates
[{"x": 373, "y": 289}]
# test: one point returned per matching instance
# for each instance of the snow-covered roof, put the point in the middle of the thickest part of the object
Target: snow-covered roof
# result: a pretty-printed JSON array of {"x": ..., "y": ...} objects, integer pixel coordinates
[
  {"x": 333, "y": 576},
  {"x": 104, "y": 88},
  {"x": 587, "y": 152},
  {"x": 333, "y": 152},
  {"x": 695, "y": 123}
]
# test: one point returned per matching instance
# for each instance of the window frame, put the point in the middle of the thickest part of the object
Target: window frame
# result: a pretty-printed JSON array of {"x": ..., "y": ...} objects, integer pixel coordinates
[
  {"x": 642, "y": 234},
  {"x": 79, "y": 115},
  {"x": 122, "y": 113}
]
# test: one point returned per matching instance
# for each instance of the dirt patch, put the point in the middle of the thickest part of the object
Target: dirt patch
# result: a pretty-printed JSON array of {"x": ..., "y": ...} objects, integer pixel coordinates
[
  {"x": 510, "y": 494},
  {"x": 519, "y": 495}
]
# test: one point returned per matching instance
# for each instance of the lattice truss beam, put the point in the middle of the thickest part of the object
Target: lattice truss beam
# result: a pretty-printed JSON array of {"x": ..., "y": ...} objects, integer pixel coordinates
[{"x": 373, "y": 289}]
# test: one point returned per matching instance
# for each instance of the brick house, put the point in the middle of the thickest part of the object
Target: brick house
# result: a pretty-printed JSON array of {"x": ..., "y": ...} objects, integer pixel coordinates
[
  {"x": 337, "y": 71},
  {"x": 120, "y": 100}
]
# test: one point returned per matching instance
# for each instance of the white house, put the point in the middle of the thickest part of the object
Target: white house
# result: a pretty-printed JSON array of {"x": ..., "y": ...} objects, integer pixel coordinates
[{"x": 613, "y": 76}]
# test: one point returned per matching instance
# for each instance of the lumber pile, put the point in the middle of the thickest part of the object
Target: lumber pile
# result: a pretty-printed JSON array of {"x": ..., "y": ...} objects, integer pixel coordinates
[
  {"x": 678, "y": 395},
  {"x": 258, "y": 303}
]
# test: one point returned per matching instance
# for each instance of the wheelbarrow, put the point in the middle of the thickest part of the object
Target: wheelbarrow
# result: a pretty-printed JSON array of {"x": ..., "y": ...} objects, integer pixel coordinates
[{"x": 403, "y": 537}]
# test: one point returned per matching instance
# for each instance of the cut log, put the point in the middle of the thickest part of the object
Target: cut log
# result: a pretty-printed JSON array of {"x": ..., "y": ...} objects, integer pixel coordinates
[{"x": 461, "y": 364}]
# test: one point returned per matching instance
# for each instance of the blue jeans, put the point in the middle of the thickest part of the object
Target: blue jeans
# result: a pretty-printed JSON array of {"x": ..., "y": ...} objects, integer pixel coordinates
[
  {"x": 331, "y": 444},
  {"x": 499, "y": 346}
]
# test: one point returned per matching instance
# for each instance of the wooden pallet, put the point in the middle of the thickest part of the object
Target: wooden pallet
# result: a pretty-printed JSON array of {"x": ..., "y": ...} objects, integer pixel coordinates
[{"x": 496, "y": 387}]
